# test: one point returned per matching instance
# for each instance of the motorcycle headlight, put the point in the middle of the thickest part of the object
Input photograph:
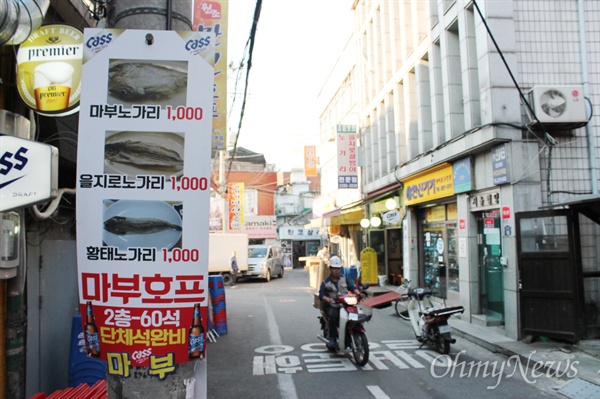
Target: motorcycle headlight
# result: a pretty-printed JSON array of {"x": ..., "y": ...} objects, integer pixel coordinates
[{"x": 351, "y": 300}]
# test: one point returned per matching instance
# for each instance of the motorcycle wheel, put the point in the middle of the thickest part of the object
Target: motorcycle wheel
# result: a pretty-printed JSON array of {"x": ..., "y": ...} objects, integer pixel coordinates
[
  {"x": 441, "y": 345},
  {"x": 360, "y": 348},
  {"x": 401, "y": 309}
]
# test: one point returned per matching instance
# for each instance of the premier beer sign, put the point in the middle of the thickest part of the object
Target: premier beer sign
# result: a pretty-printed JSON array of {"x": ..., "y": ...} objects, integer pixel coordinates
[
  {"x": 28, "y": 172},
  {"x": 49, "y": 70}
]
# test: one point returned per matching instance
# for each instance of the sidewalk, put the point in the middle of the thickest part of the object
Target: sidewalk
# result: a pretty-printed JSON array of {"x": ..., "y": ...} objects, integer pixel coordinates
[{"x": 554, "y": 356}]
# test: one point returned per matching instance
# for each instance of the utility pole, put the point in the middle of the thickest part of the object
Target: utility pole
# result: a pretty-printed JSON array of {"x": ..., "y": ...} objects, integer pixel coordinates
[{"x": 152, "y": 15}]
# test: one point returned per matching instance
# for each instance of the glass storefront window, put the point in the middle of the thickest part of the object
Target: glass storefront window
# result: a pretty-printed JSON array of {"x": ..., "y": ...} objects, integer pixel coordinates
[{"x": 439, "y": 245}]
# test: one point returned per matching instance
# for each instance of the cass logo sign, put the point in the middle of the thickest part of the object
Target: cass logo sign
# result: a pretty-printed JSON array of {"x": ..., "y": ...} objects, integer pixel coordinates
[
  {"x": 99, "y": 42},
  {"x": 197, "y": 44},
  {"x": 28, "y": 172}
]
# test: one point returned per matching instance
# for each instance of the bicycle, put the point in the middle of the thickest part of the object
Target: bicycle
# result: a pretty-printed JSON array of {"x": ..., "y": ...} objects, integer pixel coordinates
[{"x": 401, "y": 304}]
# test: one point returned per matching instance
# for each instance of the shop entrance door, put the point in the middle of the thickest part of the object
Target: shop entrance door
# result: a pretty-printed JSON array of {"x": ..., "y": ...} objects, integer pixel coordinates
[
  {"x": 491, "y": 276},
  {"x": 550, "y": 274}
]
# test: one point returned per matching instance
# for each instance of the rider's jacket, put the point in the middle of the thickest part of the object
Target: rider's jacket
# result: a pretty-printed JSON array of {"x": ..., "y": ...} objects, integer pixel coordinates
[{"x": 342, "y": 287}]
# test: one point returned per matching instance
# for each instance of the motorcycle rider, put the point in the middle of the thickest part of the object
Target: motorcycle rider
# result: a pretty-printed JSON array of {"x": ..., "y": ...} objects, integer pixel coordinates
[{"x": 333, "y": 285}]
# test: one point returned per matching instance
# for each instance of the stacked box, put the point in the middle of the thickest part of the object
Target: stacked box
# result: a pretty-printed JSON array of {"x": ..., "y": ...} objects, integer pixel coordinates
[{"x": 216, "y": 289}]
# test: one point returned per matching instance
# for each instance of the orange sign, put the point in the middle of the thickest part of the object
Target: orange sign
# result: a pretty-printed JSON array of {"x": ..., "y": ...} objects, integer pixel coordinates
[
  {"x": 310, "y": 160},
  {"x": 235, "y": 200},
  {"x": 211, "y": 16}
]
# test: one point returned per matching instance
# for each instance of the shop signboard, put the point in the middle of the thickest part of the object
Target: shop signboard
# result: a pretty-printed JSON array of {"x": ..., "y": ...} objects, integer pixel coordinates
[
  {"x": 430, "y": 185},
  {"x": 500, "y": 165},
  {"x": 28, "y": 172},
  {"x": 347, "y": 159},
  {"x": 235, "y": 206},
  {"x": 49, "y": 70},
  {"x": 143, "y": 180},
  {"x": 212, "y": 16},
  {"x": 368, "y": 266},
  {"x": 461, "y": 170},
  {"x": 264, "y": 226},
  {"x": 298, "y": 233},
  {"x": 310, "y": 160}
]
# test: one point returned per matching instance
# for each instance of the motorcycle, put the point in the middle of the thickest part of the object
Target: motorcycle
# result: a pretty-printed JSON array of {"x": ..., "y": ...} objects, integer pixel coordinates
[
  {"x": 351, "y": 330},
  {"x": 430, "y": 323}
]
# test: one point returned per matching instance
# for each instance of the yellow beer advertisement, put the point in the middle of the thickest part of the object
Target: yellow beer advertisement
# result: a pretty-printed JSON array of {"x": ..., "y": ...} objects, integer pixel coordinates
[{"x": 49, "y": 70}]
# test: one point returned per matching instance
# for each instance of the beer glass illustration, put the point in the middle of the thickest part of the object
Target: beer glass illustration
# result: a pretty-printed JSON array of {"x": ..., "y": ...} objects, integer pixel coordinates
[{"x": 52, "y": 85}]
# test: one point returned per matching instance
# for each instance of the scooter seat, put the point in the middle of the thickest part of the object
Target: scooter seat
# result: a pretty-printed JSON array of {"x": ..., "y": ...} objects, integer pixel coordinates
[
  {"x": 444, "y": 311},
  {"x": 419, "y": 293}
]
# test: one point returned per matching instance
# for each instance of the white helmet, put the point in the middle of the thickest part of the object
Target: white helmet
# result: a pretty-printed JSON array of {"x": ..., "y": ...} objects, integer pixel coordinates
[{"x": 335, "y": 262}]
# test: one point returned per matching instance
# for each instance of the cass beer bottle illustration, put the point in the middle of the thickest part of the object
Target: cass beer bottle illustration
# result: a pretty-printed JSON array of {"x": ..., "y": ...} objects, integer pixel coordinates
[
  {"x": 91, "y": 332},
  {"x": 196, "y": 343}
]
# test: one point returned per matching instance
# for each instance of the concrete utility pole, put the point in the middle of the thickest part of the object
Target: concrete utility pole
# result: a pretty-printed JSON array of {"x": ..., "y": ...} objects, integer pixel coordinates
[{"x": 153, "y": 15}]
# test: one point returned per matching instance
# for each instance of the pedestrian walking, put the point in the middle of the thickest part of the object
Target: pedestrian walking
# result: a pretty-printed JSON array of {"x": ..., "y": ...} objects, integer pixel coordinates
[{"x": 234, "y": 269}]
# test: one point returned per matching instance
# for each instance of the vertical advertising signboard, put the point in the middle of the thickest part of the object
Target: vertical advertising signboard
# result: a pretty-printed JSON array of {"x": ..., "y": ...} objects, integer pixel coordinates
[
  {"x": 211, "y": 16},
  {"x": 347, "y": 157},
  {"x": 143, "y": 173},
  {"x": 310, "y": 160},
  {"x": 235, "y": 203}
]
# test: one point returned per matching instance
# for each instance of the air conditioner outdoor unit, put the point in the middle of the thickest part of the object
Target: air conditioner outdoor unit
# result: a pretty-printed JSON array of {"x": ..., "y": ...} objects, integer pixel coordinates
[{"x": 558, "y": 104}]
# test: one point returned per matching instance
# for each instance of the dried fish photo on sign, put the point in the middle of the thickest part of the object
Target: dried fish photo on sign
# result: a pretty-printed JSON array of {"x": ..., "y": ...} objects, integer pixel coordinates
[
  {"x": 144, "y": 153},
  {"x": 141, "y": 224},
  {"x": 147, "y": 82}
]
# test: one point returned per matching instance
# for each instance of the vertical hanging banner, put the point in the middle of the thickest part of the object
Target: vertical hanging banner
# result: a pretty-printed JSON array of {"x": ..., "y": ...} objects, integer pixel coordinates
[
  {"x": 347, "y": 162},
  {"x": 235, "y": 203},
  {"x": 143, "y": 173},
  {"x": 211, "y": 16},
  {"x": 310, "y": 160}
]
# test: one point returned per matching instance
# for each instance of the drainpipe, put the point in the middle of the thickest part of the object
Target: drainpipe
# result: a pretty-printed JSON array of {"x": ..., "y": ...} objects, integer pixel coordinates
[
  {"x": 591, "y": 140},
  {"x": 18, "y": 18}
]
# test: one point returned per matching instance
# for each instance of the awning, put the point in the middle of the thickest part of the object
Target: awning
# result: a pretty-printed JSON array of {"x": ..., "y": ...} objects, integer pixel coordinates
[
  {"x": 351, "y": 217},
  {"x": 588, "y": 205}
]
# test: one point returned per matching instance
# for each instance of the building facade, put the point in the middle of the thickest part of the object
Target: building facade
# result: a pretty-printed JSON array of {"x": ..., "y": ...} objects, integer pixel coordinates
[{"x": 476, "y": 119}]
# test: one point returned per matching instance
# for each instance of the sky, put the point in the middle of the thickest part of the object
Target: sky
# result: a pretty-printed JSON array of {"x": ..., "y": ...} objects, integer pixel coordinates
[{"x": 297, "y": 44}]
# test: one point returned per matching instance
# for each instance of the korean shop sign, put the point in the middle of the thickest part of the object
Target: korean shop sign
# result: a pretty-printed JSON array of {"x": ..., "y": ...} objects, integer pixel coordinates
[{"x": 430, "y": 185}]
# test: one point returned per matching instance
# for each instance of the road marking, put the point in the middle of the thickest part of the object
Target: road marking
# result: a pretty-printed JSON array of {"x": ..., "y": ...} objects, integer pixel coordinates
[
  {"x": 377, "y": 392},
  {"x": 285, "y": 381}
]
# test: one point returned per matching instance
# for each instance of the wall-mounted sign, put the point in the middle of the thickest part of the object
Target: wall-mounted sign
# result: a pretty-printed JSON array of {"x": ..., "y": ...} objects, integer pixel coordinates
[
  {"x": 260, "y": 226},
  {"x": 28, "y": 172},
  {"x": 485, "y": 200},
  {"x": 430, "y": 185},
  {"x": 347, "y": 161},
  {"x": 235, "y": 201},
  {"x": 298, "y": 233},
  {"x": 49, "y": 70},
  {"x": 212, "y": 16},
  {"x": 461, "y": 170},
  {"x": 500, "y": 165},
  {"x": 310, "y": 160}
]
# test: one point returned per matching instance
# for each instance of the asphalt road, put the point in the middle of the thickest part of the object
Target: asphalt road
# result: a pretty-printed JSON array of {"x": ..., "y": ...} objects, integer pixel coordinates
[{"x": 271, "y": 350}]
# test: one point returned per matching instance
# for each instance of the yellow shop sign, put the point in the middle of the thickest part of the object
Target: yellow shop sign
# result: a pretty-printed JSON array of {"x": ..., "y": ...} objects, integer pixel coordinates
[{"x": 430, "y": 185}]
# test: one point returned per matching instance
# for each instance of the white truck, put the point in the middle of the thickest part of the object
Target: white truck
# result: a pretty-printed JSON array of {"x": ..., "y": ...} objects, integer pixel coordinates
[{"x": 220, "y": 249}]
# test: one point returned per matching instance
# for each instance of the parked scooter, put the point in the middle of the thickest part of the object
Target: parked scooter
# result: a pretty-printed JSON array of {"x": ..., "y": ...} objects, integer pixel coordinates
[
  {"x": 351, "y": 330},
  {"x": 431, "y": 323}
]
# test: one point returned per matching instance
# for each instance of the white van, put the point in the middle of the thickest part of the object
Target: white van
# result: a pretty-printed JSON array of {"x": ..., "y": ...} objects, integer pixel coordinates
[{"x": 264, "y": 261}]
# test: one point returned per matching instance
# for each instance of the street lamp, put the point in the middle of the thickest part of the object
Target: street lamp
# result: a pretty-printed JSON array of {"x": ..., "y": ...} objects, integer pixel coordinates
[
  {"x": 364, "y": 223},
  {"x": 390, "y": 204},
  {"x": 375, "y": 221}
]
